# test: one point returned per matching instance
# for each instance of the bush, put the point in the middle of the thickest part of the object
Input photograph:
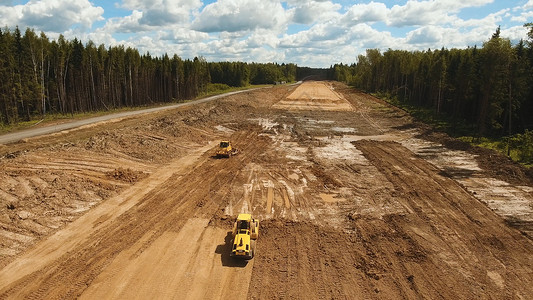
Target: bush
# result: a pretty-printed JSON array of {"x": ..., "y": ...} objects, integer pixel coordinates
[
  {"x": 524, "y": 144},
  {"x": 213, "y": 88}
]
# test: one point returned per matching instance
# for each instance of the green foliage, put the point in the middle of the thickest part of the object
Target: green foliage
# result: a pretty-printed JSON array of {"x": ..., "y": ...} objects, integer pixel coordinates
[
  {"x": 239, "y": 74},
  {"x": 40, "y": 77},
  {"x": 52, "y": 118},
  {"x": 213, "y": 88},
  {"x": 271, "y": 73},
  {"x": 529, "y": 26},
  {"x": 523, "y": 145},
  {"x": 429, "y": 116},
  {"x": 306, "y": 73},
  {"x": 518, "y": 146},
  {"x": 484, "y": 95},
  {"x": 487, "y": 91}
]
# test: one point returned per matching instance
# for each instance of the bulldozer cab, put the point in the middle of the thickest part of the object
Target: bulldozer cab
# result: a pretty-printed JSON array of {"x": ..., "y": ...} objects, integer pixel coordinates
[
  {"x": 243, "y": 225},
  {"x": 225, "y": 149}
]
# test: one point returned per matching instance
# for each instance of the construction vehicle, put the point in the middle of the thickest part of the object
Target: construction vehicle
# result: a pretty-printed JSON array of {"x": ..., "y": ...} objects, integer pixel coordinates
[
  {"x": 225, "y": 149},
  {"x": 245, "y": 233}
]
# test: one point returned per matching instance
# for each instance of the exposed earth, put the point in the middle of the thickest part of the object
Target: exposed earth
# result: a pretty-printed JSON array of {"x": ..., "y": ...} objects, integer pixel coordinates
[{"x": 355, "y": 199}]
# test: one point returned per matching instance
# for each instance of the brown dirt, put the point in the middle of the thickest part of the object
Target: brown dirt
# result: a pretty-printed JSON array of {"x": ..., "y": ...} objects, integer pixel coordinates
[
  {"x": 494, "y": 164},
  {"x": 357, "y": 203}
]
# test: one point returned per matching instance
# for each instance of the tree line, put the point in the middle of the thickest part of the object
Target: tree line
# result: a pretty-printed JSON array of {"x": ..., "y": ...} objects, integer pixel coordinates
[
  {"x": 40, "y": 76},
  {"x": 488, "y": 90}
]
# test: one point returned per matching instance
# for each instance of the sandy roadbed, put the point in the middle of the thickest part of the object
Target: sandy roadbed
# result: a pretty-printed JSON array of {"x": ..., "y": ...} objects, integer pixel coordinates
[{"x": 355, "y": 200}]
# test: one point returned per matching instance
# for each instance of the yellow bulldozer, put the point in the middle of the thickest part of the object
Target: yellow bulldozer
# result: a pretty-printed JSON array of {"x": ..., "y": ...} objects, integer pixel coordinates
[
  {"x": 225, "y": 149},
  {"x": 245, "y": 233}
]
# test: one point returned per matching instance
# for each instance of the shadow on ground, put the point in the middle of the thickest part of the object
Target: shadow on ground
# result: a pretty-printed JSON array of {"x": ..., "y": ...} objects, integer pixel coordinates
[{"x": 225, "y": 249}]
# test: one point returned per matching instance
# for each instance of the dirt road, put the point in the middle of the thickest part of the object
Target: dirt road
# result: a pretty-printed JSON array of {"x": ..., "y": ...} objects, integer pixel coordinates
[
  {"x": 355, "y": 200},
  {"x": 38, "y": 131}
]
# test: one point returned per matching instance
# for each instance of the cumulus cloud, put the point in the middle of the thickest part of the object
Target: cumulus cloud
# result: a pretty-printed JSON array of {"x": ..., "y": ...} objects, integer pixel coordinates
[
  {"x": 325, "y": 44},
  {"x": 307, "y": 32},
  {"x": 420, "y": 13},
  {"x": 319, "y": 36},
  {"x": 262, "y": 38},
  {"x": 126, "y": 24},
  {"x": 363, "y": 36},
  {"x": 52, "y": 15},
  {"x": 436, "y": 24},
  {"x": 154, "y": 15},
  {"x": 100, "y": 37},
  {"x": 184, "y": 35},
  {"x": 523, "y": 17},
  {"x": 297, "y": 40},
  {"x": 363, "y": 13},
  {"x": 427, "y": 35},
  {"x": 241, "y": 15},
  {"x": 484, "y": 27},
  {"x": 515, "y": 33},
  {"x": 309, "y": 12},
  {"x": 326, "y": 32},
  {"x": 163, "y": 12}
]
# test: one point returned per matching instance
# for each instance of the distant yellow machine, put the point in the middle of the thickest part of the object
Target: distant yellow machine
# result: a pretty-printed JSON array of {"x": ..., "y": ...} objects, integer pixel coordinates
[
  {"x": 225, "y": 149},
  {"x": 245, "y": 233}
]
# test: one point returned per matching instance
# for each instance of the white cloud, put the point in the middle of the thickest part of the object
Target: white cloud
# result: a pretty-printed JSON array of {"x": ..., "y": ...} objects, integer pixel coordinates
[
  {"x": 154, "y": 15},
  {"x": 306, "y": 32},
  {"x": 52, "y": 15},
  {"x": 309, "y": 12},
  {"x": 163, "y": 12},
  {"x": 326, "y": 32},
  {"x": 241, "y": 15},
  {"x": 184, "y": 35},
  {"x": 353, "y": 33},
  {"x": 320, "y": 36},
  {"x": 99, "y": 37},
  {"x": 9, "y": 16},
  {"x": 365, "y": 37},
  {"x": 294, "y": 40},
  {"x": 427, "y": 35},
  {"x": 475, "y": 31},
  {"x": 523, "y": 17},
  {"x": 515, "y": 33},
  {"x": 261, "y": 38},
  {"x": 363, "y": 13},
  {"x": 490, "y": 20},
  {"x": 329, "y": 43},
  {"x": 419, "y": 13},
  {"x": 126, "y": 24}
]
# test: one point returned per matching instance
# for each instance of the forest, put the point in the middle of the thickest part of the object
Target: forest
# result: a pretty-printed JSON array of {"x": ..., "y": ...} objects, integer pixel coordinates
[
  {"x": 489, "y": 89},
  {"x": 39, "y": 76},
  {"x": 482, "y": 92},
  {"x": 479, "y": 92}
]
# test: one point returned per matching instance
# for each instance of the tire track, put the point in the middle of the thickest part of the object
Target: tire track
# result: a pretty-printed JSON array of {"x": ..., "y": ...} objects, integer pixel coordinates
[
  {"x": 448, "y": 226},
  {"x": 164, "y": 208}
]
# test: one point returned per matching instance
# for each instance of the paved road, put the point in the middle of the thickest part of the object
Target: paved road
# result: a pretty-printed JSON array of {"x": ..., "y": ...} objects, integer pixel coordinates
[{"x": 19, "y": 135}]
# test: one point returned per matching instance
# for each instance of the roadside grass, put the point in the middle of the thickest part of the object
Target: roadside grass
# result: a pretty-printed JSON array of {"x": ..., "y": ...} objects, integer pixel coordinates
[
  {"x": 519, "y": 147},
  {"x": 55, "y": 118},
  {"x": 58, "y": 118}
]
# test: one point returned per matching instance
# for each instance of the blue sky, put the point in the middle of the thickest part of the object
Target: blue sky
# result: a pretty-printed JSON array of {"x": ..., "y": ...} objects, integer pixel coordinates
[{"x": 315, "y": 33}]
